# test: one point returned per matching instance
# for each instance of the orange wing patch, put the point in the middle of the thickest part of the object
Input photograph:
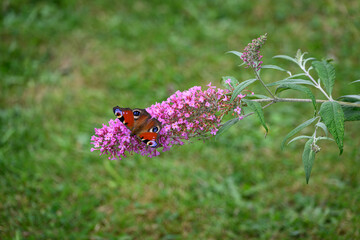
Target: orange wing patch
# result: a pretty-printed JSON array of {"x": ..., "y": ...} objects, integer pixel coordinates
[{"x": 141, "y": 124}]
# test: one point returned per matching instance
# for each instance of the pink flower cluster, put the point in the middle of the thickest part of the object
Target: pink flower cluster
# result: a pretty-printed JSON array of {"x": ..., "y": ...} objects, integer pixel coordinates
[
  {"x": 184, "y": 115},
  {"x": 251, "y": 55},
  {"x": 116, "y": 140}
]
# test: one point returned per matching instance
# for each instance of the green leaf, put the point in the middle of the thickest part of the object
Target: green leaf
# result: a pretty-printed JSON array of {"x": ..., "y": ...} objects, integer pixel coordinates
[
  {"x": 257, "y": 96},
  {"x": 287, "y": 58},
  {"x": 226, "y": 126},
  {"x": 333, "y": 117},
  {"x": 241, "y": 87},
  {"x": 325, "y": 138},
  {"x": 326, "y": 72},
  {"x": 350, "y": 98},
  {"x": 256, "y": 107},
  {"x": 351, "y": 113},
  {"x": 301, "y": 89},
  {"x": 299, "y": 56},
  {"x": 298, "y": 138},
  {"x": 239, "y": 54},
  {"x": 273, "y": 67},
  {"x": 306, "y": 60},
  {"x": 296, "y": 130},
  {"x": 355, "y": 81},
  {"x": 291, "y": 81},
  {"x": 323, "y": 127},
  {"x": 296, "y": 75},
  {"x": 308, "y": 158},
  {"x": 233, "y": 82}
]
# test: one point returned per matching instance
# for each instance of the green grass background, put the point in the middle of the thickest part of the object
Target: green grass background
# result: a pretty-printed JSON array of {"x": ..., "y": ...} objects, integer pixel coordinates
[{"x": 64, "y": 64}]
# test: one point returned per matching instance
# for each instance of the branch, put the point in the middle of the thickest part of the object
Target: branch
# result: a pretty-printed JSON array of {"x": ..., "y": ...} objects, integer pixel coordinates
[
  {"x": 317, "y": 85},
  {"x": 264, "y": 85},
  {"x": 303, "y": 100}
]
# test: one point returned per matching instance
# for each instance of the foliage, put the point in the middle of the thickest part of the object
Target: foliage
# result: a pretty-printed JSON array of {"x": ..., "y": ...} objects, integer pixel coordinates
[{"x": 331, "y": 112}]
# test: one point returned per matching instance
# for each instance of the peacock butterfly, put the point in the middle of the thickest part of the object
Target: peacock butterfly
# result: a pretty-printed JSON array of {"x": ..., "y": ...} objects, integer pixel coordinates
[{"x": 140, "y": 123}]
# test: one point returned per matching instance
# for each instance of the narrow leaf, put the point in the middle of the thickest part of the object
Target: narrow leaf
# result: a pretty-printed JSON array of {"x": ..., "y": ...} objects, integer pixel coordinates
[
  {"x": 273, "y": 67},
  {"x": 239, "y": 54},
  {"x": 298, "y": 138},
  {"x": 242, "y": 64},
  {"x": 300, "y": 88},
  {"x": 291, "y": 81},
  {"x": 323, "y": 127},
  {"x": 226, "y": 126},
  {"x": 296, "y": 130},
  {"x": 333, "y": 117},
  {"x": 351, "y": 113},
  {"x": 296, "y": 75},
  {"x": 355, "y": 81},
  {"x": 299, "y": 56},
  {"x": 325, "y": 138},
  {"x": 353, "y": 98},
  {"x": 308, "y": 158},
  {"x": 308, "y": 59},
  {"x": 256, "y": 107},
  {"x": 233, "y": 82},
  {"x": 258, "y": 96},
  {"x": 287, "y": 58},
  {"x": 241, "y": 87},
  {"x": 326, "y": 72}
]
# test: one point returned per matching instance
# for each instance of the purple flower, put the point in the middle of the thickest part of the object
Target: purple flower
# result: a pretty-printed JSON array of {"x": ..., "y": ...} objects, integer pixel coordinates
[
  {"x": 251, "y": 55},
  {"x": 184, "y": 115}
]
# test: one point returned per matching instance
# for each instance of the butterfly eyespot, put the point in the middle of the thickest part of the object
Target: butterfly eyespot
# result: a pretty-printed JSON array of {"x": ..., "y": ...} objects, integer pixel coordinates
[
  {"x": 118, "y": 112},
  {"x": 136, "y": 114},
  {"x": 152, "y": 143},
  {"x": 155, "y": 129}
]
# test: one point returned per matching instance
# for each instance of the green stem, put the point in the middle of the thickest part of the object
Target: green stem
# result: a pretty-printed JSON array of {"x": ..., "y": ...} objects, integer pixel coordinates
[
  {"x": 304, "y": 100},
  {"x": 316, "y": 84},
  {"x": 258, "y": 78}
]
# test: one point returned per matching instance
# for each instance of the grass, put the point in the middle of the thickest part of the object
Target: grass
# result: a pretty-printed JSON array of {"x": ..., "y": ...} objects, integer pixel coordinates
[{"x": 65, "y": 64}]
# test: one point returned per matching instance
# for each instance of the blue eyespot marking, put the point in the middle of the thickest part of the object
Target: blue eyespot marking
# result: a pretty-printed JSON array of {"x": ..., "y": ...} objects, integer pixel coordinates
[
  {"x": 136, "y": 113},
  {"x": 152, "y": 143},
  {"x": 155, "y": 129},
  {"x": 118, "y": 112}
]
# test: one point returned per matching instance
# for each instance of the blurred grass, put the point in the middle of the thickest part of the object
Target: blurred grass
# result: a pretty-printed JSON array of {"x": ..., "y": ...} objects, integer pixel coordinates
[{"x": 65, "y": 64}]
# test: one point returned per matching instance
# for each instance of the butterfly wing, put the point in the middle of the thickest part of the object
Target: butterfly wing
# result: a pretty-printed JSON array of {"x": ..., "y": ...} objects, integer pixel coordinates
[
  {"x": 141, "y": 124},
  {"x": 125, "y": 115},
  {"x": 149, "y": 132},
  {"x": 150, "y": 139},
  {"x": 146, "y": 128},
  {"x": 141, "y": 117}
]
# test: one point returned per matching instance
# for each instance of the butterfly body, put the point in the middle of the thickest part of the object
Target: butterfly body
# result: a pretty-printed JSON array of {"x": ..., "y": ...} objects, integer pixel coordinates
[{"x": 140, "y": 123}]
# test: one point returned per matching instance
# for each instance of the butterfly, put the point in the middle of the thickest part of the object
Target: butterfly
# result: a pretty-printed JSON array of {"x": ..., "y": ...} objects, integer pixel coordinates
[{"x": 140, "y": 123}]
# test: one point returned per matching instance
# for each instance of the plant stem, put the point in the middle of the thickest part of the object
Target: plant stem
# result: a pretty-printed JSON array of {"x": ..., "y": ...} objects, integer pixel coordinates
[
  {"x": 258, "y": 78},
  {"x": 304, "y": 100},
  {"x": 316, "y": 84},
  {"x": 272, "y": 101}
]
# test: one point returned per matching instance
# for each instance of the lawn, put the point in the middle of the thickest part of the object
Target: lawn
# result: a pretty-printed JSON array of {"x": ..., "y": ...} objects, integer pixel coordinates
[{"x": 65, "y": 64}]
